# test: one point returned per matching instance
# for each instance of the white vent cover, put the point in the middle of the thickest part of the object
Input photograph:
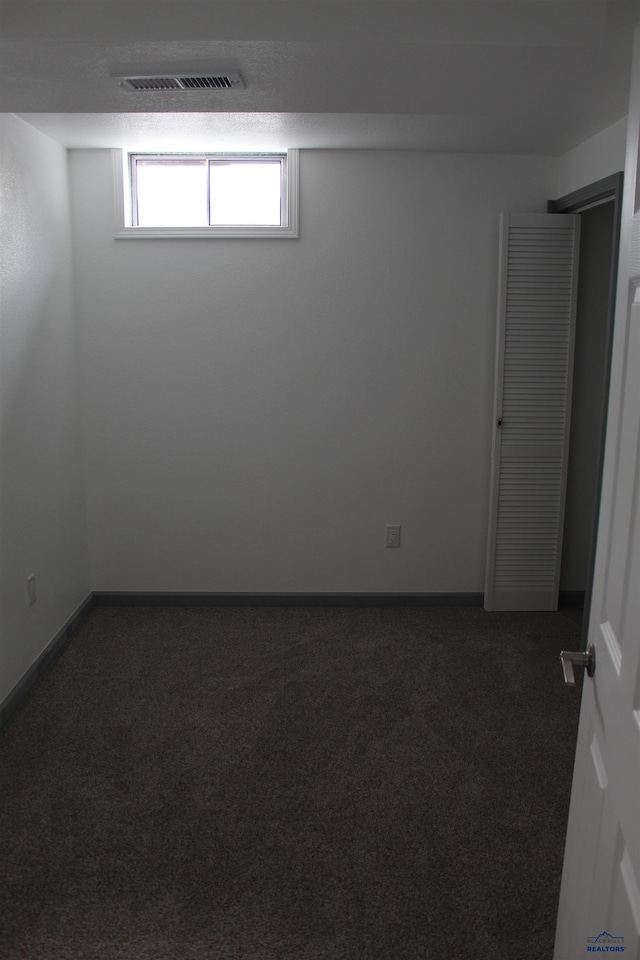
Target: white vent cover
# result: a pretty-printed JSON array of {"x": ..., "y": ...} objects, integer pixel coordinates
[{"x": 230, "y": 80}]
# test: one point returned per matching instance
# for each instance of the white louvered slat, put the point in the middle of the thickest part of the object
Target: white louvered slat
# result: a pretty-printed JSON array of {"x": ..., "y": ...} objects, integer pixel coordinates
[{"x": 532, "y": 402}]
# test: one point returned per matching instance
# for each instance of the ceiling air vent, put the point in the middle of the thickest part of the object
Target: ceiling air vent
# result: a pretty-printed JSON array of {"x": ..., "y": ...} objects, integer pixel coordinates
[{"x": 231, "y": 80}]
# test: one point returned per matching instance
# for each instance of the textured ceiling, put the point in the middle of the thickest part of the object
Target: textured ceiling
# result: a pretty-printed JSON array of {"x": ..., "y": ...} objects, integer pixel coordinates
[{"x": 518, "y": 76}]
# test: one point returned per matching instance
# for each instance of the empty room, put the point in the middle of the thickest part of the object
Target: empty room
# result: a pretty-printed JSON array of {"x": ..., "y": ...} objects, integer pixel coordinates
[{"x": 319, "y": 362}]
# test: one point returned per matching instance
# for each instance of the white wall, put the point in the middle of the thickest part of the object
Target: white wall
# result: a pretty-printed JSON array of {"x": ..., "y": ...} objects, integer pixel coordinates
[
  {"x": 42, "y": 514},
  {"x": 596, "y": 158},
  {"x": 255, "y": 411}
]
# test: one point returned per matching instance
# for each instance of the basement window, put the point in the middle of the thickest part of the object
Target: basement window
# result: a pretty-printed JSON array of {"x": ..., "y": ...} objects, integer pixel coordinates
[{"x": 211, "y": 195}]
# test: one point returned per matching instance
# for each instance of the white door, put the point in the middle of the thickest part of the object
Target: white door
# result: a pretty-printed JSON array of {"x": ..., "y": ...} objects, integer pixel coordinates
[
  {"x": 532, "y": 409},
  {"x": 599, "y": 911}
]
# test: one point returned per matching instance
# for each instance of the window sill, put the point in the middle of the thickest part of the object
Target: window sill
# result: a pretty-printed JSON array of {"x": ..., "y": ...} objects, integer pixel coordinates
[{"x": 169, "y": 233}]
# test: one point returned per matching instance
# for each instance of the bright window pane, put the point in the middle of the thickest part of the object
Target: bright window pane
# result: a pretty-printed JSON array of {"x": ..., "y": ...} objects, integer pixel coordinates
[
  {"x": 172, "y": 193},
  {"x": 245, "y": 194}
]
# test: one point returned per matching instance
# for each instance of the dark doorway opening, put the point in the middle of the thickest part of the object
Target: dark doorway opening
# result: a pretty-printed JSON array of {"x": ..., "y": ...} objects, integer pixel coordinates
[{"x": 599, "y": 208}]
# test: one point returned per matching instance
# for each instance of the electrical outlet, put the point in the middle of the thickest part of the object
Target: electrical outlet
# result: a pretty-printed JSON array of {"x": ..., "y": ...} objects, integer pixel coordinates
[
  {"x": 393, "y": 534},
  {"x": 31, "y": 589}
]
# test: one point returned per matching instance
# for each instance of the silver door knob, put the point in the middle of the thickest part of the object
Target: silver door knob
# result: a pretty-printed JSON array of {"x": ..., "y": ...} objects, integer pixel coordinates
[{"x": 571, "y": 658}]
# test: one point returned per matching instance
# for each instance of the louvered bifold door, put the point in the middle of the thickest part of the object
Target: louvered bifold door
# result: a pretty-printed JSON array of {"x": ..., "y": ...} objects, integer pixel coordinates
[{"x": 532, "y": 409}]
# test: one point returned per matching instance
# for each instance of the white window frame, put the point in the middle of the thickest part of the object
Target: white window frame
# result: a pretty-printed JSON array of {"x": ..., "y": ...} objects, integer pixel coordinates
[{"x": 125, "y": 197}]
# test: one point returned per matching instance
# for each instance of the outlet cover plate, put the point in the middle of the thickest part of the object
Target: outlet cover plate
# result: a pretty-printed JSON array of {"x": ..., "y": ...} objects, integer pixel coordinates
[{"x": 392, "y": 531}]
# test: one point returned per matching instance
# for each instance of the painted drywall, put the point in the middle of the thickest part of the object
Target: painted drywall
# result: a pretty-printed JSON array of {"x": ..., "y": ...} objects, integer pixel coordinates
[
  {"x": 255, "y": 411},
  {"x": 588, "y": 401},
  {"x": 596, "y": 158},
  {"x": 42, "y": 513}
]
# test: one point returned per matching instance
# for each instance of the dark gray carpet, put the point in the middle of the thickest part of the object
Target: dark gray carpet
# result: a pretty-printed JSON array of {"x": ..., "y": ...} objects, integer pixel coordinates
[{"x": 290, "y": 784}]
